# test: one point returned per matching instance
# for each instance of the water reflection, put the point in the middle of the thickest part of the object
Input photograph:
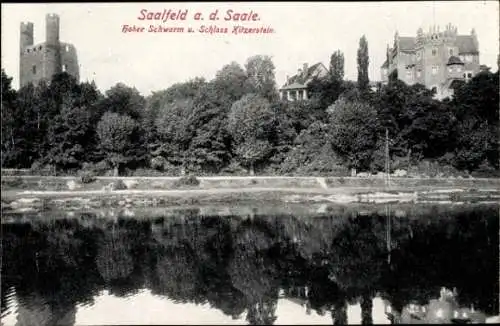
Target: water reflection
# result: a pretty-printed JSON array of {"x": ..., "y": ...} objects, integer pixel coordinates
[{"x": 257, "y": 269}]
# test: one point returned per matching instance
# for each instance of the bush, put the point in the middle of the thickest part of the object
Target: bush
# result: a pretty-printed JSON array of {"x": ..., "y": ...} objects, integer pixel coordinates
[
  {"x": 187, "y": 181},
  {"x": 99, "y": 168},
  {"x": 119, "y": 185},
  {"x": 234, "y": 168},
  {"x": 16, "y": 183},
  {"x": 87, "y": 177},
  {"x": 158, "y": 163}
]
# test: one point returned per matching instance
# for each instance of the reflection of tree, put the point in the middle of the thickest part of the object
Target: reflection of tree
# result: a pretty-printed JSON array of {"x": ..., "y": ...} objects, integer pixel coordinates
[
  {"x": 263, "y": 311},
  {"x": 113, "y": 259},
  {"x": 456, "y": 246},
  {"x": 55, "y": 265},
  {"x": 254, "y": 274},
  {"x": 176, "y": 270},
  {"x": 358, "y": 255},
  {"x": 366, "y": 310},
  {"x": 53, "y": 269},
  {"x": 339, "y": 313}
]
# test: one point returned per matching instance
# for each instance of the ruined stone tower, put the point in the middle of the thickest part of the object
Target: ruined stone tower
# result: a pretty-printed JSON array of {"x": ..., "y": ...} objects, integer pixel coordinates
[{"x": 41, "y": 61}]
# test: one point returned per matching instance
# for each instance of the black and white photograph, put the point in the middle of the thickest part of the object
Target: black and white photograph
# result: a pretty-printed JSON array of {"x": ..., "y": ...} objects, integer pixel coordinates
[{"x": 250, "y": 163}]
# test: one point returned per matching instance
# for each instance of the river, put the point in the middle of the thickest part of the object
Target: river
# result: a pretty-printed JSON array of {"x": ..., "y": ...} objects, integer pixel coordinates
[{"x": 338, "y": 265}]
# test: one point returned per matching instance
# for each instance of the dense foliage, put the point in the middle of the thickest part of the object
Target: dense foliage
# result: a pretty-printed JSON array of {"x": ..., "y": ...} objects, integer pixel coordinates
[{"x": 236, "y": 123}]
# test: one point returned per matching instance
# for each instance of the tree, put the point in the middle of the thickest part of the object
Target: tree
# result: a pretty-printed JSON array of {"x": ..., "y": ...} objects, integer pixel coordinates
[
  {"x": 71, "y": 136},
  {"x": 363, "y": 61},
  {"x": 261, "y": 78},
  {"x": 209, "y": 149},
  {"x": 9, "y": 121},
  {"x": 353, "y": 131},
  {"x": 250, "y": 123},
  {"x": 116, "y": 134},
  {"x": 123, "y": 99},
  {"x": 337, "y": 65},
  {"x": 232, "y": 80}
]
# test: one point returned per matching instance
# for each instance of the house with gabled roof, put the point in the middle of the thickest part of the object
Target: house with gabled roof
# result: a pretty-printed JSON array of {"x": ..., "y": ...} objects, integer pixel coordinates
[
  {"x": 436, "y": 59},
  {"x": 295, "y": 87}
]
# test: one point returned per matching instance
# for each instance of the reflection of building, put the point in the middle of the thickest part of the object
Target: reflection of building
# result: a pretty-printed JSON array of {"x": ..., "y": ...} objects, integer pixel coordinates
[
  {"x": 436, "y": 59},
  {"x": 43, "y": 60},
  {"x": 295, "y": 88}
]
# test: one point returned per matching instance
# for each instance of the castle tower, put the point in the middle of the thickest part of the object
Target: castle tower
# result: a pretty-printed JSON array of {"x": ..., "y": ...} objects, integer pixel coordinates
[
  {"x": 43, "y": 60},
  {"x": 52, "y": 53},
  {"x": 52, "y": 29},
  {"x": 26, "y": 35}
]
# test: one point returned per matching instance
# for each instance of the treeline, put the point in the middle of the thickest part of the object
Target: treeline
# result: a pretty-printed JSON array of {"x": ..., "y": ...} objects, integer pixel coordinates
[{"x": 236, "y": 123}]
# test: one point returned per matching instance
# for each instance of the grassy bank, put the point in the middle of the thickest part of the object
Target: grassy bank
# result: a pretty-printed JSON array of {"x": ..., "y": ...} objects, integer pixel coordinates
[
  {"x": 71, "y": 193},
  {"x": 50, "y": 183}
]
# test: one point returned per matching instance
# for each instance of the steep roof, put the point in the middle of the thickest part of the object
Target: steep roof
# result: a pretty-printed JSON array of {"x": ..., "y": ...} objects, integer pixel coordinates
[
  {"x": 466, "y": 44},
  {"x": 406, "y": 43},
  {"x": 453, "y": 60},
  {"x": 298, "y": 81}
]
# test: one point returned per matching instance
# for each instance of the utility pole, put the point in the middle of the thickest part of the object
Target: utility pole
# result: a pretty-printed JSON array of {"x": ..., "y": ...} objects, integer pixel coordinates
[{"x": 387, "y": 159}]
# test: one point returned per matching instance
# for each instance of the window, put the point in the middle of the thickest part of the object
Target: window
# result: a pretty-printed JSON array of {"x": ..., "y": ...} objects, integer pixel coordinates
[
  {"x": 419, "y": 55},
  {"x": 64, "y": 67},
  {"x": 451, "y": 51},
  {"x": 467, "y": 75},
  {"x": 434, "y": 52},
  {"x": 450, "y": 69},
  {"x": 40, "y": 48},
  {"x": 33, "y": 69},
  {"x": 468, "y": 58},
  {"x": 435, "y": 70},
  {"x": 66, "y": 48},
  {"x": 459, "y": 69},
  {"x": 419, "y": 73},
  {"x": 28, "y": 50},
  {"x": 462, "y": 58}
]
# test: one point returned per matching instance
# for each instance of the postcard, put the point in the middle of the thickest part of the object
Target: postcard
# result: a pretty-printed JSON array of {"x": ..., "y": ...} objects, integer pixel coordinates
[{"x": 250, "y": 163}]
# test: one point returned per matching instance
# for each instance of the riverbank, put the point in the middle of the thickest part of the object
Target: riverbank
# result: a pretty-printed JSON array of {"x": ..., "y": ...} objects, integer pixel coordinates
[{"x": 69, "y": 193}]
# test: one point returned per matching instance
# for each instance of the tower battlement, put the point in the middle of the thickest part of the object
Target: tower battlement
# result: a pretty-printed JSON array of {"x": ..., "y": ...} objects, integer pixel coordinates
[{"x": 43, "y": 60}]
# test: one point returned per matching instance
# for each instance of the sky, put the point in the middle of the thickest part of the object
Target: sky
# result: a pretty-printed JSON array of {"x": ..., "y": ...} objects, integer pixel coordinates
[{"x": 303, "y": 33}]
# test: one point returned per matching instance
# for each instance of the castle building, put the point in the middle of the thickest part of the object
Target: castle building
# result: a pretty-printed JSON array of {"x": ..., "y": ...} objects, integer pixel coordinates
[
  {"x": 41, "y": 61},
  {"x": 295, "y": 88},
  {"x": 436, "y": 59}
]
